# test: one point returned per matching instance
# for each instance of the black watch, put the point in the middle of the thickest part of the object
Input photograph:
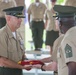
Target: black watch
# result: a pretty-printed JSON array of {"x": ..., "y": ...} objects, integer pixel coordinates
[{"x": 42, "y": 68}]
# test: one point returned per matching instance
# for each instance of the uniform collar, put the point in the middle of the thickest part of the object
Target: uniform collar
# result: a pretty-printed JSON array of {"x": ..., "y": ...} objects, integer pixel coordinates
[
  {"x": 9, "y": 32},
  {"x": 37, "y": 3}
]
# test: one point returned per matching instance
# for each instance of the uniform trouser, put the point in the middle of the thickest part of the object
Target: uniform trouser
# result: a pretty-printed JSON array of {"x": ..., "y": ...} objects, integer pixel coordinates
[
  {"x": 55, "y": 73},
  {"x": 2, "y": 22},
  {"x": 10, "y": 71},
  {"x": 37, "y": 33}
]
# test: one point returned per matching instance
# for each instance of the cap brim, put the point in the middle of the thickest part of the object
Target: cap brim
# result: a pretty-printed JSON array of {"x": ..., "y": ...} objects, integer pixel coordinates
[{"x": 64, "y": 9}]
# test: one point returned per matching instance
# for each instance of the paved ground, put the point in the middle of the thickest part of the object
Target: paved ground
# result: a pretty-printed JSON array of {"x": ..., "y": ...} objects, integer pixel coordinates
[{"x": 37, "y": 72}]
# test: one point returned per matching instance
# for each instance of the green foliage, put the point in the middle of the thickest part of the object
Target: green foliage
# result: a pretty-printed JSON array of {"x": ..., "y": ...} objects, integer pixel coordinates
[
  {"x": 60, "y": 1},
  {"x": 28, "y": 35},
  {"x": 32, "y": 1}
]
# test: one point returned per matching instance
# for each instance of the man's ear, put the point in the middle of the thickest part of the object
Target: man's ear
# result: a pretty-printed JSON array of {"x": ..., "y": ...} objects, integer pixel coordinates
[{"x": 8, "y": 17}]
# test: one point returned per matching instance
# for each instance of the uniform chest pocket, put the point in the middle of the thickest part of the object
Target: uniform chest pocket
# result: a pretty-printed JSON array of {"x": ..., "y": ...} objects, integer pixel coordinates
[
  {"x": 10, "y": 54},
  {"x": 21, "y": 44},
  {"x": 10, "y": 51},
  {"x": 10, "y": 47}
]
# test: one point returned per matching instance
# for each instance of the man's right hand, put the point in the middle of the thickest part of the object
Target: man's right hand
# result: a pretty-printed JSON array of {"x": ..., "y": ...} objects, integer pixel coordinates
[{"x": 27, "y": 67}]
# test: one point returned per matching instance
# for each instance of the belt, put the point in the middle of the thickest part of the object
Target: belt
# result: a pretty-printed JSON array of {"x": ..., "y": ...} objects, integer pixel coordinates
[
  {"x": 10, "y": 71},
  {"x": 3, "y": 67},
  {"x": 37, "y": 20}
]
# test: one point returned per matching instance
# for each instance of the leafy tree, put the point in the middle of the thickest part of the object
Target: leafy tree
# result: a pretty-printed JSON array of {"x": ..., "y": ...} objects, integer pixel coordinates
[
  {"x": 32, "y": 1},
  {"x": 60, "y": 1}
]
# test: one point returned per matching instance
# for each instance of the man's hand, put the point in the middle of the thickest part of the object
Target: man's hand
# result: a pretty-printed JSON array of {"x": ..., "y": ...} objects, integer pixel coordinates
[
  {"x": 28, "y": 67},
  {"x": 38, "y": 66},
  {"x": 30, "y": 62}
]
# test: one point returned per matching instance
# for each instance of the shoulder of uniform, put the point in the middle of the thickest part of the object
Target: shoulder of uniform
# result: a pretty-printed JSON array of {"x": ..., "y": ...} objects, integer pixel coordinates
[
  {"x": 70, "y": 32},
  {"x": 65, "y": 39},
  {"x": 59, "y": 39},
  {"x": 42, "y": 3},
  {"x": 2, "y": 32},
  {"x": 32, "y": 4}
]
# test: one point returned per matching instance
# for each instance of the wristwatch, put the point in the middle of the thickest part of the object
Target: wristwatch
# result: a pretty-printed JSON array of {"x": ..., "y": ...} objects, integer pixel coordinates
[{"x": 42, "y": 68}]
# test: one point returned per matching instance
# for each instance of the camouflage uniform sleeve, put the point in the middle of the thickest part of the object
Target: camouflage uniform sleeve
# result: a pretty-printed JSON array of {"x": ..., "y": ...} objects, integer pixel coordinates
[{"x": 69, "y": 50}]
